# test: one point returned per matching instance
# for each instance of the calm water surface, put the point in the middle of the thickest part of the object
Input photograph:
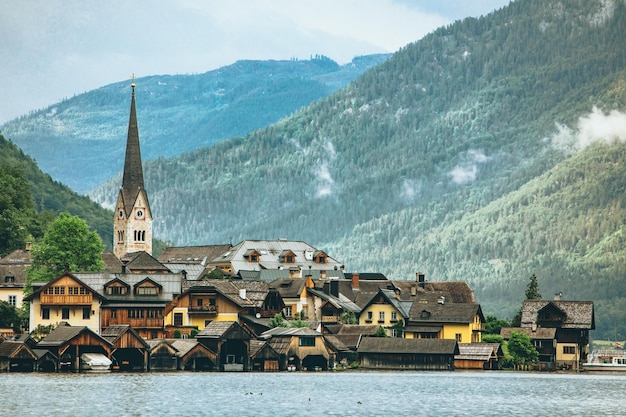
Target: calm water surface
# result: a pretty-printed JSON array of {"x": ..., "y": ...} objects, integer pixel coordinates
[{"x": 313, "y": 394}]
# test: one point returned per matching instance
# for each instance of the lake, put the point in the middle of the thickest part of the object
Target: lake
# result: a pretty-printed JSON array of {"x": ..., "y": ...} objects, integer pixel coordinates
[{"x": 313, "y": 394}]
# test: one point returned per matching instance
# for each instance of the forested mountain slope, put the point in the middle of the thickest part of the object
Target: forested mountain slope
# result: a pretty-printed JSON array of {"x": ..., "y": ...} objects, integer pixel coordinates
[
  {"x": 176, "y": 113},
  {"x": 31, "y": 199}
]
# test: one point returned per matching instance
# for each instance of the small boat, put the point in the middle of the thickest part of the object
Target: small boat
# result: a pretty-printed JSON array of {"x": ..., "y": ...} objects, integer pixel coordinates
[
  {"x": 606, "y": 361},
  {"x": 95, "y": 362}
]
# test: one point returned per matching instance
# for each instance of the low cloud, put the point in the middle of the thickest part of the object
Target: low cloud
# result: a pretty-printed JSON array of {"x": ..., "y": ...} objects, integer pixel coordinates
[
  {"x": 467, "y": 169},
  {"x": 594, "y": 127},
  {"x": 325, "y": 184}
]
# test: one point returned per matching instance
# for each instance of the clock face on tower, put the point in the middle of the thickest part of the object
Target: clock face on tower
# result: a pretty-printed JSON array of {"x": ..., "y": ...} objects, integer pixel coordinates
[{"x": 140, "y": 213}]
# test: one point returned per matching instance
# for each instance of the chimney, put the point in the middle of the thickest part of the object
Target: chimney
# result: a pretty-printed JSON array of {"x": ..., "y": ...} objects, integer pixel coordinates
[
  {"x": 124, "y": 263},
  {"x": 557, "y": 296},
  {"x": 334, "y": 287},
  {"x": 419, "y": 277},
  {"x": 242, "y": 293},
  {"x": 355, "y": 281},
  {"x": 28, "y": 247},
  {"x": 441, "y": 300}
]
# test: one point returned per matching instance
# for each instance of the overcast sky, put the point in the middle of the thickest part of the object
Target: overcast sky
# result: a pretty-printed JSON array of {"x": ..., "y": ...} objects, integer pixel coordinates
[{"x": 54, "y": 49}]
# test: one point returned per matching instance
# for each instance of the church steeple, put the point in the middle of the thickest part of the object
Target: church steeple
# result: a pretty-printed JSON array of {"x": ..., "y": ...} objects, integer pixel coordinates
[
  {"x": 132, "y": 181},
  {"x": 133, "y": 218}
]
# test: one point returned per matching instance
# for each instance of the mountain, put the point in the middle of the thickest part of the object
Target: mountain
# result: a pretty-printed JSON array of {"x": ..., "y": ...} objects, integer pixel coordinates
[
  {"x": 30, "y": 200},
  {"x": 457, "y": 157},
  {"x": 490, "y": 150},
  {"x": 176, "y": 113}
]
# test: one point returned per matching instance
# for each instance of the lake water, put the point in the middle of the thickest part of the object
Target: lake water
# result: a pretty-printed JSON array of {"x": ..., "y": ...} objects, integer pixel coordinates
[{"x": 313, "y": 394}]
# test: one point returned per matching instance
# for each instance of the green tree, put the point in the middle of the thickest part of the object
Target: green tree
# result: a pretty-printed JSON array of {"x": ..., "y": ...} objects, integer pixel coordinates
[
  {"x": 347, "y": 317},
  {"x": 9, "y": 316},
  {"x": 380, "y": 332},
  {"x": 493, "y": 325},
  {"x": 521, "y": 349},
  {"x": 67, "y": 244},
  {"x": 278, "y": 321},
  {"x": 532, "y": 290},
  {"x": 532, "y": 293}
]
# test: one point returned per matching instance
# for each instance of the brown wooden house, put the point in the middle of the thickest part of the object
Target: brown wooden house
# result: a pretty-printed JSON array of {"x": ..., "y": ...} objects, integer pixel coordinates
[
  {"x": 407, "y": 354},
  {"x": 68, "y": 343},
  {"x": 230, "y": 341},
  {"x": 130, "y": 351}
]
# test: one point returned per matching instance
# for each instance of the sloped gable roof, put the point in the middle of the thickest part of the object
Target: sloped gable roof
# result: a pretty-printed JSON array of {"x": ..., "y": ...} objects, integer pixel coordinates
[
  {"x": 192, "y": 254},
  {"x": 143, "y": 261},
  {"x": 397, "y": 345},
  {"x": 578, "y": 314}
]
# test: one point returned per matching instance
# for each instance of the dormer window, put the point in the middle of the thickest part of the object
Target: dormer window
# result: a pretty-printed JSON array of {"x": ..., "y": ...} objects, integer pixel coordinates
[
  {"x": 147, "y": 287},
  {"x": 9, "y": 278},
  {"x": 287, "y": 257},
  {"x": 252, "y": 256},
  {"x": 320, "y": 257},
  {"x": 147, "y": 291}
]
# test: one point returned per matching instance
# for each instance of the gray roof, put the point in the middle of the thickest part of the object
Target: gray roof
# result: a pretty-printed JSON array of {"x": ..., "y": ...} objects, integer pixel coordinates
[
  {"x": 432, "y": 309},
  {"x": 341, "y": 303},
  {"x": 270, "y": 251},
  {"x": 64, "y": 333},
  {"x": 171, "y": 285},
  {"x": 216, "y": 329},
  {"x": 478, "y": 351},
  {"x": 289, "y": 332},
  {"x": 192, "y": 255},
  {"x": 578, "y": 314},
  {"x": 254, "y": 292},
  {"x": 399, "y": 345},
  {"x": 14, "y": 265},
  {"x": 548, "y": 333}
]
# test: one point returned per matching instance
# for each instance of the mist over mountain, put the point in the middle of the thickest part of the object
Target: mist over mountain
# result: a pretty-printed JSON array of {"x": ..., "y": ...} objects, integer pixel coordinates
[
  {"x": 490, "y": 150},
  {"x": 176, "y": 114}
]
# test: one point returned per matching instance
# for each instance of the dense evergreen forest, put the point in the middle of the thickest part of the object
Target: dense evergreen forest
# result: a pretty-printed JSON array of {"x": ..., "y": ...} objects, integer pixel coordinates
[
  {"x": 176, "y": 113},
  {"x": 461, "y": 157},
  {"x": 30, "y": 200}
]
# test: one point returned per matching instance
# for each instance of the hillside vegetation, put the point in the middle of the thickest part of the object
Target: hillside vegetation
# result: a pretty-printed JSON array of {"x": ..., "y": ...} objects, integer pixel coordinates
[
  {"x": 30, "y": 200},
  {"x": 176, "y": 113}
]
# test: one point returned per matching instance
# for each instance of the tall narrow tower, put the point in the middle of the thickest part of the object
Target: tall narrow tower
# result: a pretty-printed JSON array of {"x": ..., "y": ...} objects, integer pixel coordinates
[{"x": 132, "y": 226}]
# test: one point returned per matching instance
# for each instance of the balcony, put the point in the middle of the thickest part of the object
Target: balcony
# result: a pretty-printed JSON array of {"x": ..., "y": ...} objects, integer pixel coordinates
[
  {"x": 65, "y": 299},
  {"x": 205, "y": 309}
]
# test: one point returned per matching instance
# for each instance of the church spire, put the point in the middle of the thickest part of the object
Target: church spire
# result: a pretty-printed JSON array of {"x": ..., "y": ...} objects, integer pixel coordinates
[
  {"x": 132, "y": 226},
  {"x": 132, "y": 181}
]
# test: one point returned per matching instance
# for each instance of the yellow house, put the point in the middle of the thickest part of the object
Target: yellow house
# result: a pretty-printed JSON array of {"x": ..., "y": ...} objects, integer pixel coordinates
[
  {"x": 65, "y": 299},
  {"x": 387, "y": 310},
  {"x": 431, "y": 317},
  {"x": 221, "y": 300}
]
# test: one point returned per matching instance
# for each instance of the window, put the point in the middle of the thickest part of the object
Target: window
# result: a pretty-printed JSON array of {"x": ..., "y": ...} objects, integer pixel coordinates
[
  {"x": 65, "y": 313},
  {"x": 83, "y": 291},
  {"x": 569, "y": 350},
  {"x": 288, "y": 311},
  {"x": 135, "y": 313},
  {"x": 9, "y": 278},
  {"x": 86, "y": 313},
  {"x": 146, "y": 291},
  {"x": 45, "y": 313},
  {"x": 114, "y": 290},
  {"x": 13, "y": 300},
  {"x": 306, "y": 341},
  {"x": 154, "y": 313},
  {"x": 369, "y": 316},
  {"x": 254, "y": 258},
  {"x": 459, "y": 338},
  {"x": 178, "y": 319},
  {"x": 199, "y": 302},
  {"x": 381, "y": 316},
  {"x": 113, "y": 313},
  {"x": 394, "y": 316},
  {"x": 72, "y": 290},
  {"x": 120, "y": 236},
  {"x": 289, "y": 259}
]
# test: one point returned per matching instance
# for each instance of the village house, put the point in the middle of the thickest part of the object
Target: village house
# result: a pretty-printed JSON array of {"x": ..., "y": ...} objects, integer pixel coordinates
[
  {"x": 407, "y": 354},
  {"x": 65, "y": 299},
  {"x": 205, "y": 301},
  {"x": 386, "y": 309},
  {"x": 300, "y": 348},
  {"x": 255, "y": 255},
  {"x": 567, "y": 322},
  {"x": 13, "y": 276},
  {"x": 231, "y": 343}
]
